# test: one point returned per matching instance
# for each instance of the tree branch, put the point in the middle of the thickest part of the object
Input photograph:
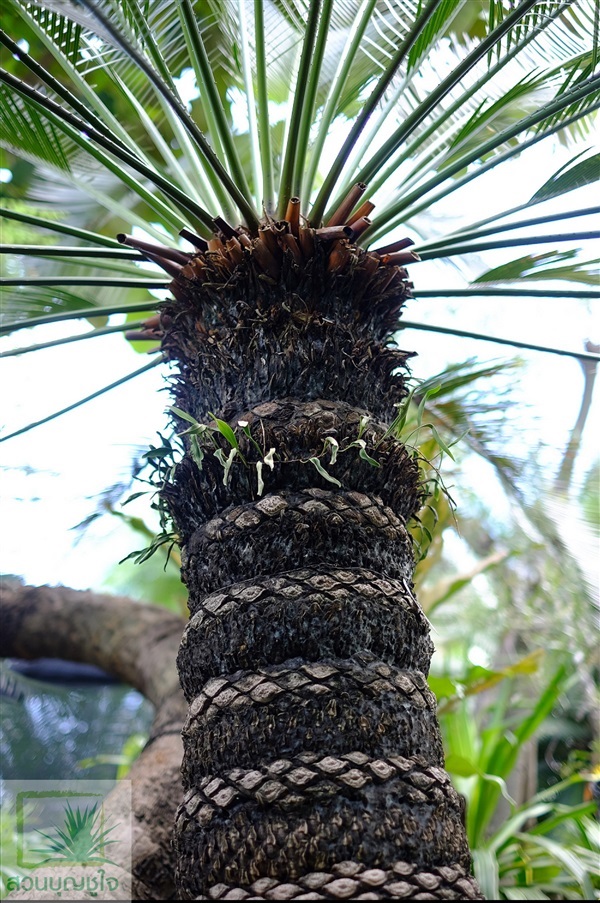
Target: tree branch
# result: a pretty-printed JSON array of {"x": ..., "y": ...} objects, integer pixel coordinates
[
  {"x": 133, "y": 642},
  {"x": 137, "y": 644}
]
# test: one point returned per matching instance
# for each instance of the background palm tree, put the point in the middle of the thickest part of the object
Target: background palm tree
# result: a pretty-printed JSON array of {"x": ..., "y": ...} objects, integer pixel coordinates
[{"x": 290, "y": 488}]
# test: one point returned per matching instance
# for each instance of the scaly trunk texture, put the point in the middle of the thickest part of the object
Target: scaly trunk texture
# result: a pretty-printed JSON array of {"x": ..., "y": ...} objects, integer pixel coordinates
[{"x": 313, "y": 763}]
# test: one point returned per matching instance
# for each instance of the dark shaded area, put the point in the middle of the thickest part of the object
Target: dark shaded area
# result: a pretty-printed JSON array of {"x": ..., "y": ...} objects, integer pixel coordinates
[{"x": 56, "y": 714}]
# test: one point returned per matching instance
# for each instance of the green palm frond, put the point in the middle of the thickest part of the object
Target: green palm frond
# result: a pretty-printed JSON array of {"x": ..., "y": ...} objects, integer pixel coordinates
[
  {"x": 159, "y": 116},
  {"x": 543, "y": 266},
  {"x": 375, "y": 56}
]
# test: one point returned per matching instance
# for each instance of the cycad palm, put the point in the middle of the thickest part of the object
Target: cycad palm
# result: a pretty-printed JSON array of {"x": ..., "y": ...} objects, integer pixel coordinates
[{"x": 313, "y": 758}]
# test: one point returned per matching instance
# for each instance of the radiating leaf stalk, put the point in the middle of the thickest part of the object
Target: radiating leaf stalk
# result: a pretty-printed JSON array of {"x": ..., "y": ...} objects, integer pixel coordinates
[
  {"x": 438, "y": 25},
  {"x": 162, "y": 146},
  {"x": 444, "y": 113},
  {"x": 366, "y": 140},
  {"x": 529, "y": 346},
  {"x": 450, "y": 250},
  {"x": 126, "y": 212},
  {"x": 83, "y": 109},
  {"x": 505, "y": 137},
  {"x": 208, "y": 179},
  {"x": 489, "y": 147},
  {"x": 149, "y": 40},
  {"x": 91, "y": 311},
  {"x": 559, "y": 183},
  {"x": 318, "y": 210},
  {"x": 293, "y": 81},
  {"x": 219, "y": 126},
  {"x": 309, "y": 93},
  {"x": 105, "y": 330},
  {"x": 292, "y": 149},
  {"x": 438, "y": 94},
  {"x": 77, "y": 404},
  {"x": 210, "y": 187},
  {"x": 90, "y": 96},
  {"x": 468, "y": 234},
  {"x": 79, "y": 132},
  {"x": 208, "y": 154},
  {"x": 69, "y": 251},
  {"x": 264, "y": 127},
  {"x": 401, "y": 211},
  {"x": 86, "y": 280},
  {"x": 485, "y": 291},
  {"x": 337, "y": 86},
  {"x": 250, "y": 106},
  {"x": 41, "y": 223}
]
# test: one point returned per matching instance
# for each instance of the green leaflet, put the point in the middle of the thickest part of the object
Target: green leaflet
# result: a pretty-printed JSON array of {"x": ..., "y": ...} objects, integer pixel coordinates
[
  {"x": 362, "y": 452},
  {"x": 225, "y": 431},
  {"x": 183, "y": 415},
  {"x": 572, "y": 175},
  {"x": 196, "y": 451},
  {"x": 225, "y": 461},
  {"x": 541, "y": 266},
  {"x": 320, "y": 469}
]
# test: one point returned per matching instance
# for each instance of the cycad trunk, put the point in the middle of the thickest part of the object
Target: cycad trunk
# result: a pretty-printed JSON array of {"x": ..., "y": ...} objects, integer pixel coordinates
[{"x": 313, "y": 764}]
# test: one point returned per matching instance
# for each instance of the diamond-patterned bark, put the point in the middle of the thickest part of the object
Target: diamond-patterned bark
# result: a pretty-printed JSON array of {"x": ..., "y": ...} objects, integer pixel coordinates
[
  {"x": 313, "y": 764},
  {"x": 296, "y": 431},
  {"x": 311, "y": 612},
  {"x": 296, "y": 707},
  {"x": 323, "y": 804},
  {"x": 353, "y": 881},
  {"x": 290, "y": 530}
]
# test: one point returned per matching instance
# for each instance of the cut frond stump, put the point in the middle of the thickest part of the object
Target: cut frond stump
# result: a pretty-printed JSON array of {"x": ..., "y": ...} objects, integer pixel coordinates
[
  {"x": 348, "y": 204},
  {"x": 307, "y": 300},
  {"x": 278, "y": 314}
]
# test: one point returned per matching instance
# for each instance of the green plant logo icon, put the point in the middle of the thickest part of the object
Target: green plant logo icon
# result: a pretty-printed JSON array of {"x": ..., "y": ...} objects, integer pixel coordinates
[{"x": 81, "y": 839}]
